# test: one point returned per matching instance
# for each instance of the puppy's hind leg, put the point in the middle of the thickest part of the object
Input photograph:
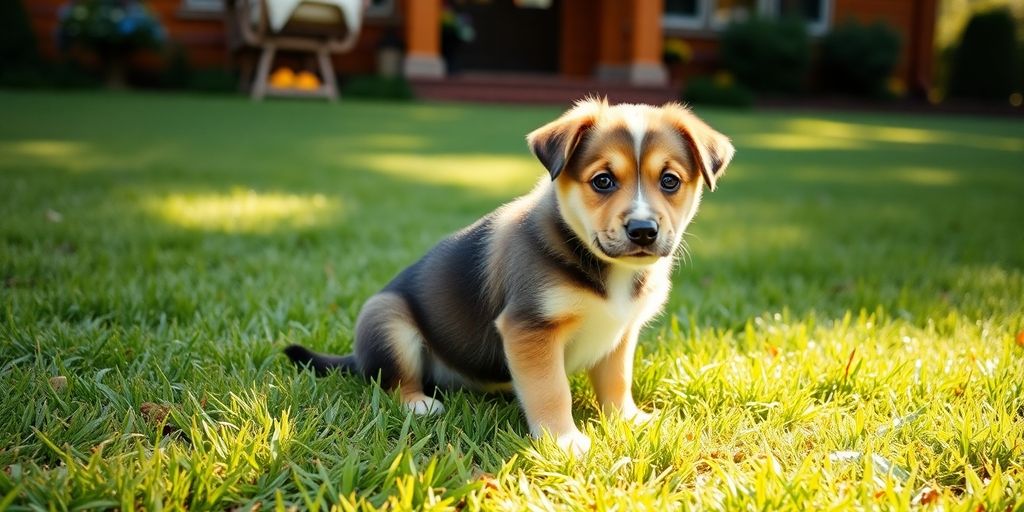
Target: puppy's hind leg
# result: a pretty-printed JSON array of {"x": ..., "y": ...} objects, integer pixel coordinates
[{"x": 390, "y": 344}]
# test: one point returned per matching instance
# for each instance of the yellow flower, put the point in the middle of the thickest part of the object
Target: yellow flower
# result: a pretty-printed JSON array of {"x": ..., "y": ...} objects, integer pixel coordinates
[
  {"x": 678, "y": 49},
  {"x": 896, "y": 86}
]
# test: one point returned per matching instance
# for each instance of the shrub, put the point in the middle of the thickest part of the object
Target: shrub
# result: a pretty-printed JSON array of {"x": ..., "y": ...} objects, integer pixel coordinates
[
  {"x": 109, "y": 26},
  {"x": 859, "y": 59},
  {"x": 984, "y": 60},
  {"x": 768, "y": 55},
  {"x": 378, "y": 87},
  {"x": 18, "y": 55},
  {"x": 718, "y": 90}
]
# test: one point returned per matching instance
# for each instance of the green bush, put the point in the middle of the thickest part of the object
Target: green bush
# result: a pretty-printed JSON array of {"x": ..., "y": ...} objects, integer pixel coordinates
[
  {"x": 859, "y": 59},
  {"x": 984, "y": 60},
  {"x": 377, "y": 87},
  {"x": 18, "y": 55},
  {"x": 768, "y": 55},
  {"x": 704, "y": 90}
]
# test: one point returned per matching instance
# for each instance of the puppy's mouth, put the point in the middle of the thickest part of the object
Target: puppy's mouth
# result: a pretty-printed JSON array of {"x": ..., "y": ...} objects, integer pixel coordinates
[{"x": 628, "y": 251}]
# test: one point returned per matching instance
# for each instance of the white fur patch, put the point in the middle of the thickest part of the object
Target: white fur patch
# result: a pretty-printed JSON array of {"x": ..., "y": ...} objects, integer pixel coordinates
[
  {"x": 407, "y": 346},
  {"x": 424, "y": 405},
  {"x": 641, "y": 210},
  {"x": 636, "y": 121},
  {"x": 604, "y": 320}
]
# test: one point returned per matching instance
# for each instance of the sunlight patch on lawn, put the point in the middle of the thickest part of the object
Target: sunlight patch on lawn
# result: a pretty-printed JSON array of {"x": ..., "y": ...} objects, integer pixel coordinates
[
  {"x": 78, "y": 156},
  {"x": 244, "y": 210},
  {"x": 926, "y": 176},
  {"x": 873, "y": 133},
  {"x": 379, "y": 141},
  {"x": 491, "y": 173},
  {"x": 62, "y": 152},
  {"x": 797, "y": 142}
]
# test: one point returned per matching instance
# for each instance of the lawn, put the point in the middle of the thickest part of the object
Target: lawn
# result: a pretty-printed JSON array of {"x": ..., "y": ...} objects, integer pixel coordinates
[{"x": 845, "y": 332}]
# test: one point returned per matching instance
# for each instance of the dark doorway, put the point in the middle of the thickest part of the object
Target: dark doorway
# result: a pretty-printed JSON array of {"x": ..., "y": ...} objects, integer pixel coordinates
[{"x": 508, "y": 38}]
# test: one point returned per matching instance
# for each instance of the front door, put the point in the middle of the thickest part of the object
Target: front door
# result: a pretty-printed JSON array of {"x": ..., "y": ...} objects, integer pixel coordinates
[{"x": 507, "y": 37}]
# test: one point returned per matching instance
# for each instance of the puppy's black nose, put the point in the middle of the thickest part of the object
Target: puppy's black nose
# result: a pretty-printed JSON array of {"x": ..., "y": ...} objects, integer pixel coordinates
[{"x": 642, "y": 232}]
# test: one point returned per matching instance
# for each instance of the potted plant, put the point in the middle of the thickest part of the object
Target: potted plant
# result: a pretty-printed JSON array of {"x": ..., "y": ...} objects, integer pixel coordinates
[
  {"x": 676, "y": 54},
  {"x": 112, "y": 30},
  {"x": 456, "y": 30}
]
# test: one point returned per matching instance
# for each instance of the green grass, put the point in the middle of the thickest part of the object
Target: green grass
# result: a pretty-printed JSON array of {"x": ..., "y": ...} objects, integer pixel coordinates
[{"x": 855, "y": 285}]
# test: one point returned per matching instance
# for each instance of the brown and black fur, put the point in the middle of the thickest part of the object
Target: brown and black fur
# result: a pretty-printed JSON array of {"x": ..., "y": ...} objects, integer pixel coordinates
[{"x": 549, "y": 283}]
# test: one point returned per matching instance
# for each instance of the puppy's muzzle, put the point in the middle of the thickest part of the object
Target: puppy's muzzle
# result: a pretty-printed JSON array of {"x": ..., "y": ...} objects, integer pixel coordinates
[{"x": 642, "y": 232}]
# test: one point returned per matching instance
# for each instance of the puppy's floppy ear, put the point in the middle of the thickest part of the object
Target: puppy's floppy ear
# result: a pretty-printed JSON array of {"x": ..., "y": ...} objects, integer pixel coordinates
[
  {"x": 555, "y": 142},
  {"x": 711, "y": 149}
]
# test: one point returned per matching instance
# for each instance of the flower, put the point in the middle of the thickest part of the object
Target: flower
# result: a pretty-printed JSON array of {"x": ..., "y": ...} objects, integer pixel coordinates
[
  {"x": 108, "y": 26},
  {"x": 459, "y": 24},
  {"x": 676, "y": 50}
]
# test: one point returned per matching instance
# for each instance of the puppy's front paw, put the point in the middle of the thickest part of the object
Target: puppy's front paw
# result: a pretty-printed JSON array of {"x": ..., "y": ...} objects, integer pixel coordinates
[
  {"x": 573, "y": 442},
  {"x": 424, "y": 405},
  {"x": 638, "y": 417}
]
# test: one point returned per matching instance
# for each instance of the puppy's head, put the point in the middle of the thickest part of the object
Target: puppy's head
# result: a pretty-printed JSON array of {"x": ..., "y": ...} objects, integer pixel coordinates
[{"x": 629, "y": 177}]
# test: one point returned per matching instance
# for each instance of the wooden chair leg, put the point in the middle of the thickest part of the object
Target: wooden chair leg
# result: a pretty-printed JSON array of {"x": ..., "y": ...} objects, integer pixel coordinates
[
  {"x": 259, "y": 86},
  {"x": 327, "y": 72},
  {"x": 246, "y": 70}
]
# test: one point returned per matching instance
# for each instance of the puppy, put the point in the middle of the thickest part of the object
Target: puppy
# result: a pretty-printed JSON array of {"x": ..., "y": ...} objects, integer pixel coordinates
[{"x": 557, "y": 281}]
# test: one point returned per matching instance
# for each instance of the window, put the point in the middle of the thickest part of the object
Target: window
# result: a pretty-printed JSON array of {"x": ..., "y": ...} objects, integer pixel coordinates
[
  {"x": 203, "y": 5},
  {"x": 684, "y": 13},
  {"x": 380, "y": 9},
  {"x": 732, "y": 11},
  {"x": 717, "y": 14},
  {"x": 374, "y": 8},
  {"x": 814, "y": 12}
]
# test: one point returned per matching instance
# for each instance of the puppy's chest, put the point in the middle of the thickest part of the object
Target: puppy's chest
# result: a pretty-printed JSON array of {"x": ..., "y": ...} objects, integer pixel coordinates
[{"x": 630, "y": 301}]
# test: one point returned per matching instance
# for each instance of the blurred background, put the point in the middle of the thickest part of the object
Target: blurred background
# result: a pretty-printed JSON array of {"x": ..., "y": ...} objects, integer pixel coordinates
[{"x": 945, "y": 54}]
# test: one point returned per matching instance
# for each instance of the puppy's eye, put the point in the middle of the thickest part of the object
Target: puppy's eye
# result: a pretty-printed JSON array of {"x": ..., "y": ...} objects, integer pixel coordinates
[
  {"x": 603, "y": 182},
  {"x": 669, "y": 182}
]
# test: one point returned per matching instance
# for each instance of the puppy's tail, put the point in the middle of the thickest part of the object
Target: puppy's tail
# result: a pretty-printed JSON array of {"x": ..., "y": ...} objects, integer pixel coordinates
[{"x": 320, "y": 363}]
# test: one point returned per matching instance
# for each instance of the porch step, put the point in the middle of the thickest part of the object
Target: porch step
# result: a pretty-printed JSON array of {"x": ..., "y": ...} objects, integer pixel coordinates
[{"x": 534, "y": 89}]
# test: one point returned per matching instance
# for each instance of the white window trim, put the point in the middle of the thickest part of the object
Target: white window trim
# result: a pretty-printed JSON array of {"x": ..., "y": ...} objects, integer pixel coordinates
[
  {"x": 680, "y": 21},
  {"x": 704, "y": 19},
  {"x": 761, "y": 8},
  {"x": 203, "y": 5},
  {"x": 385, "y": 10},
  {"x": 814, "y": 28}
]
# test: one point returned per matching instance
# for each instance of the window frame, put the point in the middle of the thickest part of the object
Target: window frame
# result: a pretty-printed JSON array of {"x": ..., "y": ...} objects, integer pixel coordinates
[
  {"x": 705, "y": 21},
  {"x": 684, "y": 22},
  {"x": 814, "y": 28},
  {"x": 213, "y": 8}
]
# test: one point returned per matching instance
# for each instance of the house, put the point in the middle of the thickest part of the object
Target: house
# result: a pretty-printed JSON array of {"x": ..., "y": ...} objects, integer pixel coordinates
[{"x": 610, "y": 42}]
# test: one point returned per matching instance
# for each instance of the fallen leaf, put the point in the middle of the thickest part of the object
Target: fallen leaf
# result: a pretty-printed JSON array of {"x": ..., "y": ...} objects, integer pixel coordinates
[
  {"x": 489, "y": 482},
  {"x": 926, "y": 496},
  {"x": 154, "y": 413},
  {"x": 1020, "y": 339},
  {"x": 846, "y": 375},
  {"x": 738, "y": 456},
  {"x": 58, "y": 383}
]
